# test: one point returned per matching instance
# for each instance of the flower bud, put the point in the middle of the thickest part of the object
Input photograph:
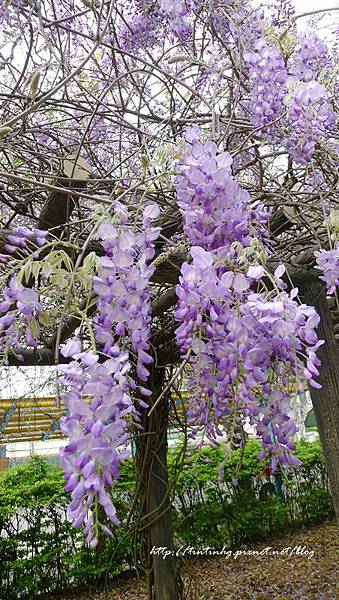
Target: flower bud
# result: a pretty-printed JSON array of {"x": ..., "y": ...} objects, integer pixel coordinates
[
  {"x": 35, "y": 84},
  {"x": 5, "y": 131}
]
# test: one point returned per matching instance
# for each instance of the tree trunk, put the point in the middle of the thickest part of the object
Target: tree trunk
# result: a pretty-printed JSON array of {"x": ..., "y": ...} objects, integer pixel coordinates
[
  {"x": 326, "y": 400},
  {"x": 155, "y": 507}
]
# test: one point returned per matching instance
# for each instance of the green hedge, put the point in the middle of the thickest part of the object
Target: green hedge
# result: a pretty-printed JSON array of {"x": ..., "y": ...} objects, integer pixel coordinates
[
  {"x": 214, "y": 511},
  {"x": 40, "y": 553}
]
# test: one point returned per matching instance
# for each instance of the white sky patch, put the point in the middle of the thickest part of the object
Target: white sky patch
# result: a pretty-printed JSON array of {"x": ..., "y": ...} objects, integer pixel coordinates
[
  {"x": 327, "y": 22},
  {"x": 308, "y": 5}
]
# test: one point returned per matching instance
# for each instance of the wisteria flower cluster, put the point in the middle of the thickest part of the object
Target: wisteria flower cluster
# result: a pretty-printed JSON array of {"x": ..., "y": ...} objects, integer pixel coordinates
[
  {"x": 91, "y": 458},
  {"x": 145, "y": 22},
  {"x": 20, "y": 307},
  {"x": 97, "y": 429},
  {"x": 328, "y": 262},
  {"x": 310, "y": 120},
  {"x": 141, "y": 28},
  {"x": 20, "y": 311},
  {"x": 247, "y": 27},
  {"x": 245, "y": 348},
  {"x": 123, "y": 285},
  {"x": 216, "y": 210},
  {"x": 310, "y": 58},
  {"x": 243, "y": 343},
  {"x": 8, "y": 10},
  {"x": 19, "y": 239},
  {"x": 301, "y": 124},
  {"x": 268, "y": 77}
]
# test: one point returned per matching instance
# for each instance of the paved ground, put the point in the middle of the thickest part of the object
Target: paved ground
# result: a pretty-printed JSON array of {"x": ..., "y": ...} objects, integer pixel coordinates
[{"x": 306, "y": 570}]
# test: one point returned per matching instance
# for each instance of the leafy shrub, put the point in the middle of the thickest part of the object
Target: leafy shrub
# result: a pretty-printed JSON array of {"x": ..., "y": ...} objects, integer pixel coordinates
[
  {"x": 40, "y": 553},
  {"x": 39, "y": 550},
  {"x": 213, "y": 511}
]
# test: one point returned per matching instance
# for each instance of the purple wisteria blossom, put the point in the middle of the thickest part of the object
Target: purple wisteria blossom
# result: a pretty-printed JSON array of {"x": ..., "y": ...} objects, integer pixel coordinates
[
  {"x": 215, "y": 209},
  {"x": 310, "y": 120},
  {"x": 268, "y": 78},
  {"x": 311, "y": 56},
  {"x": 99, "y": 383},
  {"x": 91, "y": 459},
  {"x": 17, "y": 242},
  {"x": 145, "y": 22},
  {"x": 20, "y": 307},
  {"x": 140, "y": 31},
  {"x": 245, "y": 344},
  {"x": 328, "y": 262},
  {"x": 19, "y": 315}
]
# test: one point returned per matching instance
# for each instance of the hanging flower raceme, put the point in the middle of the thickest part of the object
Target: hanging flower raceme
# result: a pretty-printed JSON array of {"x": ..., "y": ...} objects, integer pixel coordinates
[
  {"x": 245, "y": 347},
  {"x": 141, "y": 29},
  {"x": 19, "y": 316},
  {"x": 268, "y": 79},
  {"x": 246, "y": 26},
  {"x": 96, "y": 430},
  {"x": 244, "y": 341},
  {"x": 328, "y": 263},
  {"x": 20, "y": 308},
  {"x": 18, "y": 240},
  {"x": 310, "y": 58},
  {"x": 310, "y": 120},
  {"x": 98, "y": 393},
  {"x": 145, "y": 22},
  {"x": 299, "y": 124},
  {"x": 215, "y": 209},
  {"x": 281, "y": 340},
  {"x": 123, "y": 286}
]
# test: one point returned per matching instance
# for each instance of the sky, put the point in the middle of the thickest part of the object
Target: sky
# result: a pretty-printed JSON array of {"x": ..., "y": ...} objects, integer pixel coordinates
[
  {"x": 328, "y": 20},
  {"x": 308, "y": 5}
]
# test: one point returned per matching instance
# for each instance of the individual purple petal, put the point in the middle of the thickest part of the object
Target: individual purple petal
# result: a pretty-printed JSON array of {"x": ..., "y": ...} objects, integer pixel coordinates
[
  {"x": 72, "y": 347},
  {"x": 279, "y": 272}
]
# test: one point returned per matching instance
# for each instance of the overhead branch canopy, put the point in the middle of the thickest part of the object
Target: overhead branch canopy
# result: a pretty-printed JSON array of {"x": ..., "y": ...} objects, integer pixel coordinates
[{"x": 102, "y": 123}]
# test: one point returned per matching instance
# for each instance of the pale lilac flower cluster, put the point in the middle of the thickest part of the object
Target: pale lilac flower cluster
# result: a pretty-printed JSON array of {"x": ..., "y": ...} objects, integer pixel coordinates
[
  {"x": 177, "y": 15},
  {"x": 9, "y": 10},
  {"x": 328, "y": 262},
  {"x": 222, "y": 20},
  {"x": 97, "y": 429},
  {"x": 310, "y": 116},
  {"x": 146, "y": 21},
  {"x": 20, "y": 307},
  {"x": 177, "y": 8},
  {"x": 244, "y": 349},
  {"x": 215, "y": 209},
  {"x": 244, "y": 344},
  {"x": 123, "y": 285},
  {"x": 310, "y": 121},
  {"x": 17, "y": 241},
  {"x": 140, "y": 31},
  {"x": 310, "y": 57},
  {"x": 279, "y": 332},
  {"x": 19, "y": 313},
  {"x": 268, "y": 78},
  {"x": 247, "y": 27},
  {"x": 276, "y": 429}
]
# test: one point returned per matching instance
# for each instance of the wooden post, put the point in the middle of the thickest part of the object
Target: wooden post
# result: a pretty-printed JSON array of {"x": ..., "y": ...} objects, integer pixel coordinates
[
  {"x": 326, "y": 400},
  {"x": 155, "y": 507}
]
